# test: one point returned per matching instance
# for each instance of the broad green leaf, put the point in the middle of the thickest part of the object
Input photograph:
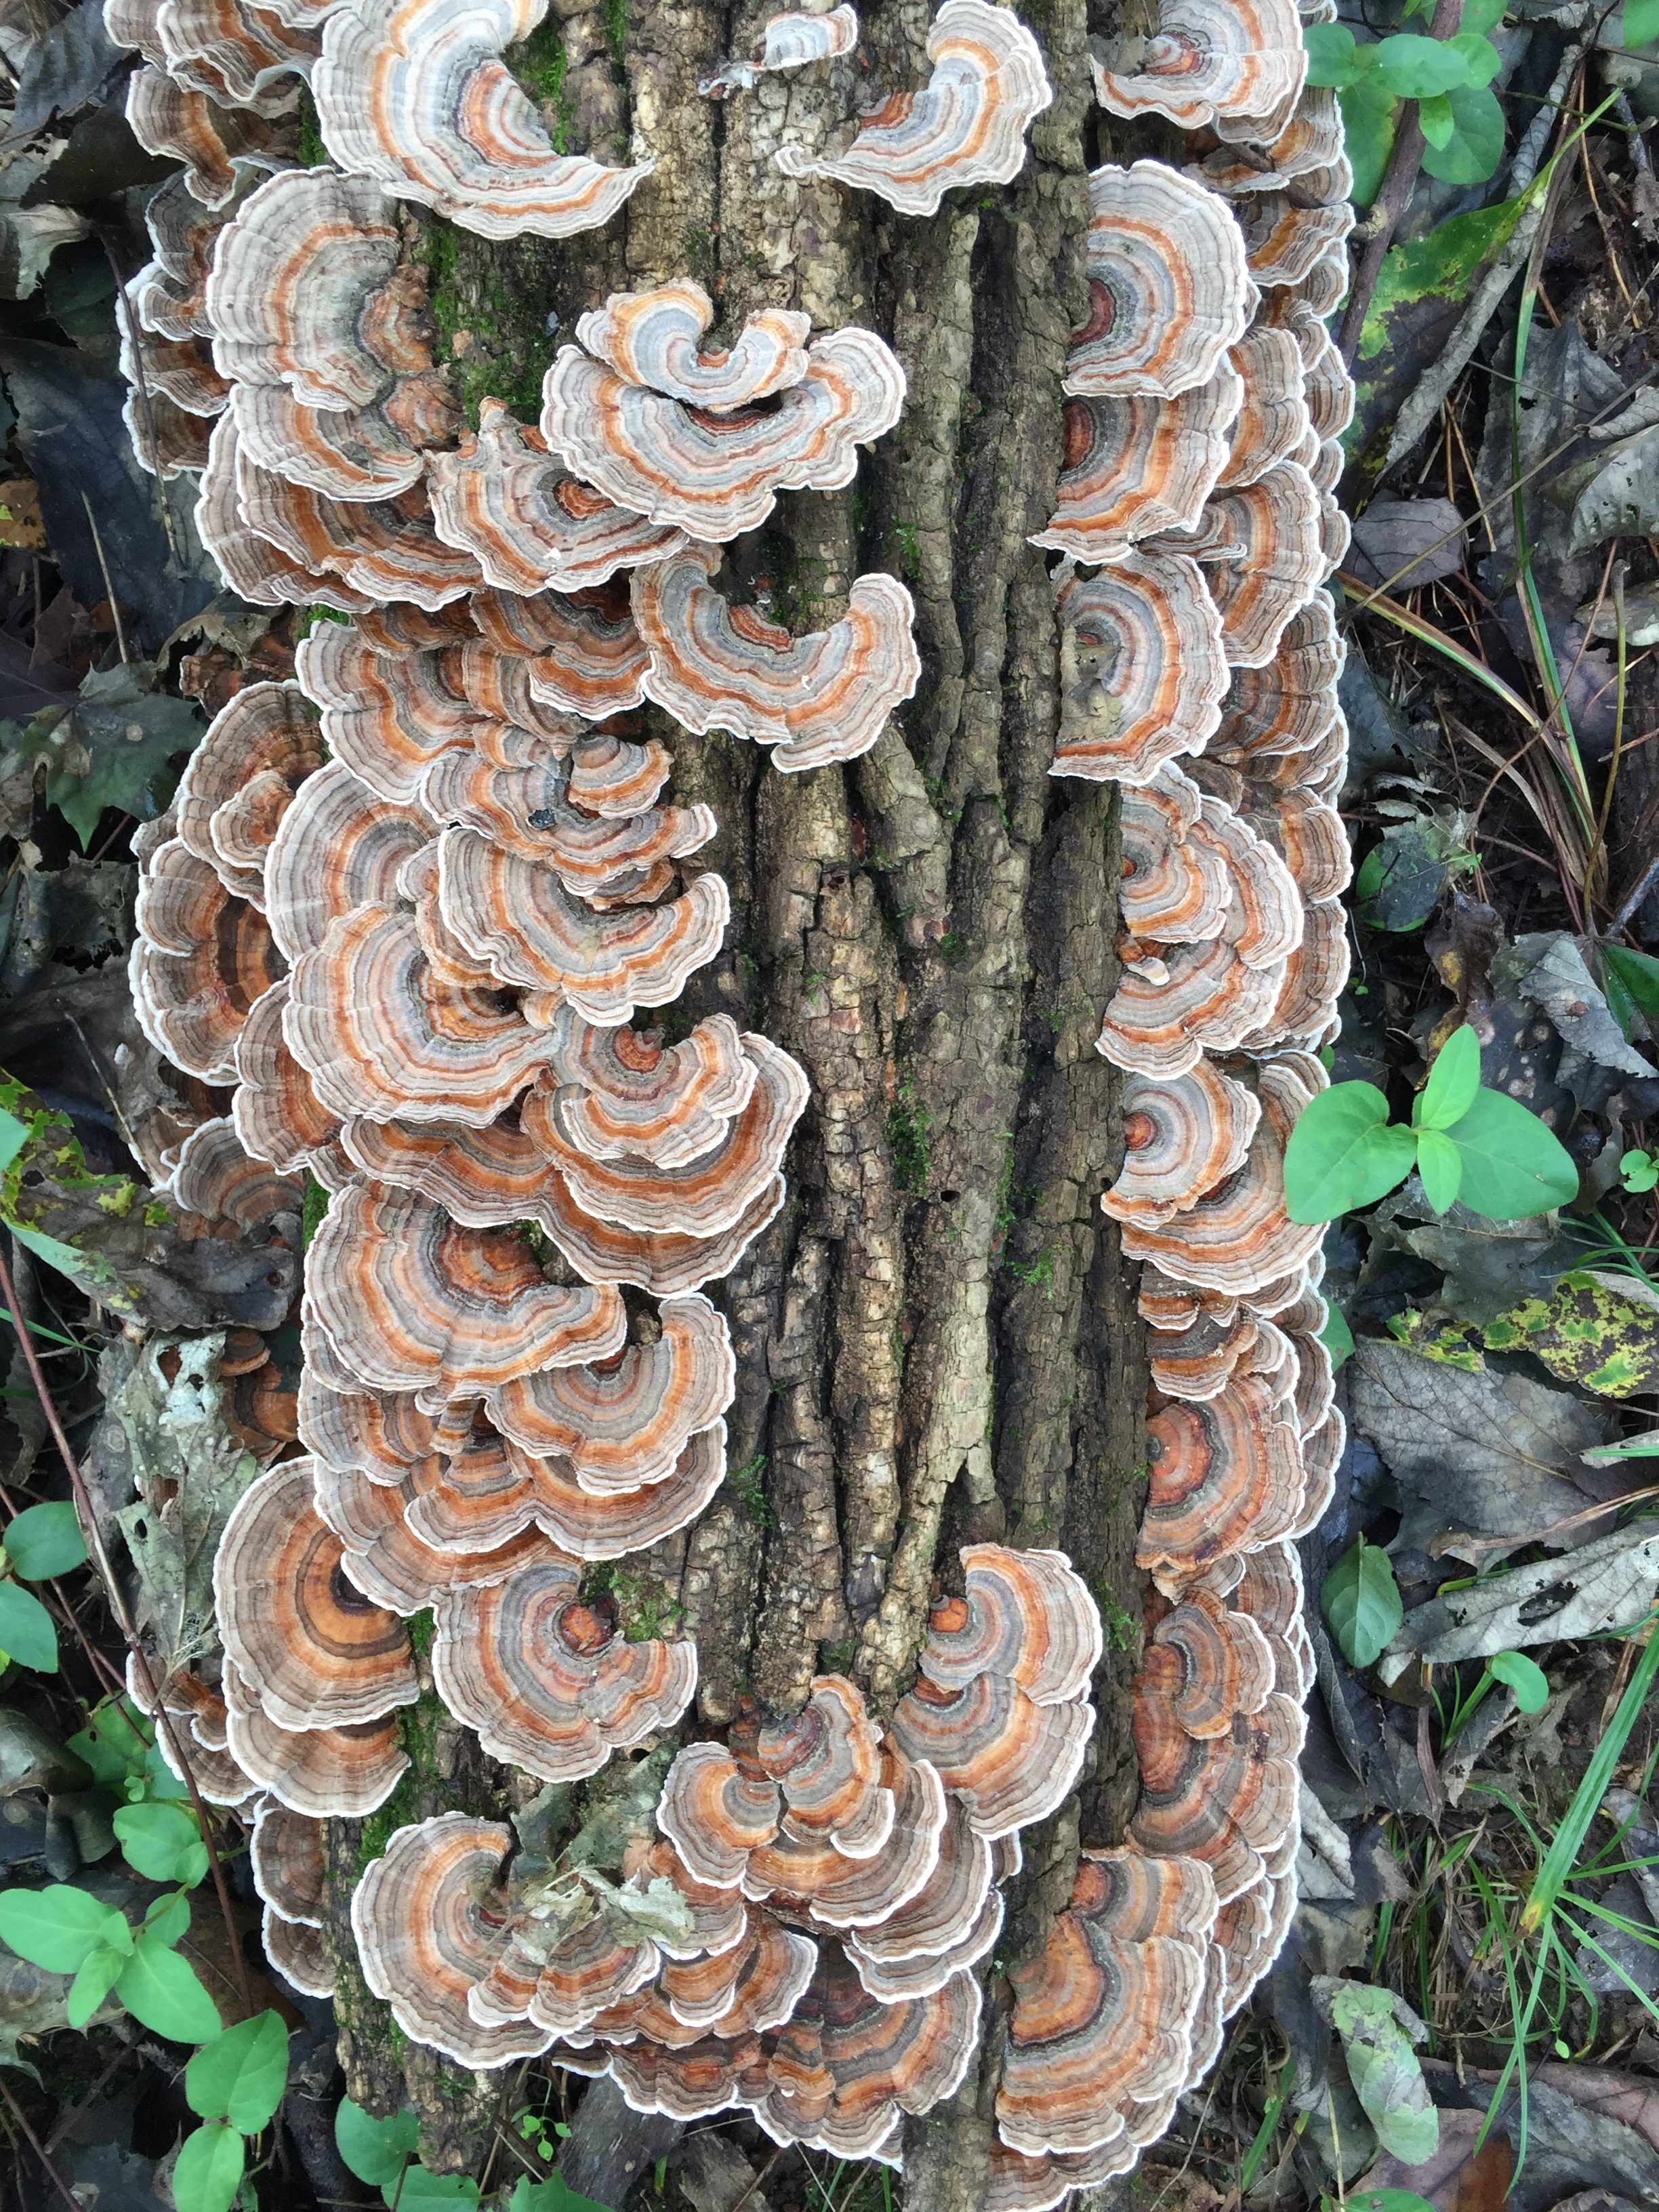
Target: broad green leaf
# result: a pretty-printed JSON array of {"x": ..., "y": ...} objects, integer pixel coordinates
[
  {"x": 113, "y": 1743},
  {"x": 1453, "y": 1081},
  {"x": 1370, "y": 115},
  {"x": 60, "y": 1927},
  {"x": 1524, "y": 1676},
  {"x": 421, "y": 2191},
  {"x": 209, "y": 2170},
  {"x": 1418, "y": 68},
  {"x": 1513, "y": 1166},
  {"x": 1637, "y": 972},
  {"x": 162, "y": 1842},
  {"x": 46, "y": 1540},
  {"x": 1639, "y": 1171},
  {"x": 376, "y": 2151},
  {"x": 1342, "y": 1154},
  {"x": 1641, "y": 23},
  {"x": 1384, "y": 2070},
  {"x": 1481, "y": 15},
  {"x": 168, "y": 1919},
  {"x": 1360, "y": 1598},
  {"x": 1441, "y": 265},
  {"x": 1389, "y": 2200},
  {"x": 1434, "y": 119},
  {"x": 1440, "y": 1165},
  {"x": 160, "y": 1989},
  {"x": 26, "y": 1631},
  {"x": 14, "y": 1135},
  {"x": 1336, "y": 1336},
  {"x": 553, "y": 2194},
  {"x": 1476, "y": 145},
  {"x": 1330, "y": 53},
  {"x": 242, "y": 2075},
  {"x": 98, "y": 1976},
  {"x": 1483, "y": 58}
]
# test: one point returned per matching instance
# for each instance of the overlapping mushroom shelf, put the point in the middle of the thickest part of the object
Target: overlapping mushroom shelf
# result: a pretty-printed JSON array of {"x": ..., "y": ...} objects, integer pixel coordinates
[{"x": 416, "y": 913}]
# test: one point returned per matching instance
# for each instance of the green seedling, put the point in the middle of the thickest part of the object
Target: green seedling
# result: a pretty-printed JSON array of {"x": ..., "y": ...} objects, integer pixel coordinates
[{"x": 1450, "y": 80}]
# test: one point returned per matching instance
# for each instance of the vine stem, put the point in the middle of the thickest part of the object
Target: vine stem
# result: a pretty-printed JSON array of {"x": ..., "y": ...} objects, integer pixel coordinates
[
  {"x": 39, "y": 2149},
  {"x": 123, "y": 1620}
]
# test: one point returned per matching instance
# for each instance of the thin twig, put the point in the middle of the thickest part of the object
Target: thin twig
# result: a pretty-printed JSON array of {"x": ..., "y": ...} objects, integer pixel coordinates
[
  {"x": 39, "y": 2149},
  {"x": 760, "y": 2178},
  {"x": 1644, "y": 884},
  {"x": 117, "y": 1604},
  {"x": 109, "y": 588}
]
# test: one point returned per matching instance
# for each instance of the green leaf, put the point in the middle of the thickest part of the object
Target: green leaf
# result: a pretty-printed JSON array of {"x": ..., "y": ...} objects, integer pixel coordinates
[
  {"x": 209, "y": 2170},
  {"x": 1330, "y": 53},
  {"x": 1434, "y": 119},
  {"x": 1336, "y": 1336},
  {"x": 46, "y": 1540},
  {"x": 1513, "y": 1166},
  {"x": 1483, "y": 58},
  {"x": 168, "y": 1919},
  {"x": 60, "y": 1927},
  {"x": 376, "y": 2151},
  {"x": 1361, "y": 1599},
  {"x": 553, "y": 2194},
  {"x": 1639, "y": 972},
  {"x": 1441, "y": 265},
  {"x": 26, "y": 1631},
  {"x": 1641, "y": 23},
  {"x": 162, "y": 1842},
  {"x": 1418, "y": 68},
  {"x": 1453, "y": 1081},
  {"x": 1384, "y": 2070},
  {"x": 113, "y": 1743},
  {"x": 1524, "y": 1676},
  {"x": 14, "y": 1135},
  {"x": 1476, "y": 145},
  {"x": 422, "y": 2192},
  {"x": 128, "y": 732},
  {"x": 98, "y": 1976},
  {"x": 1389, "y": 2200},
  {"x": 1370, "y": 115},
  {"x": 1639, "y": 1171},
  {"x": 1481, "y": 15},
  {"x": 1440, "y": 1165},
  {"x": 162, "y": 1989},
  {"x": 1342, "y": 1154},
  {"x": 88, "y": 1270},
  {"x": 242, "y": 2075}
]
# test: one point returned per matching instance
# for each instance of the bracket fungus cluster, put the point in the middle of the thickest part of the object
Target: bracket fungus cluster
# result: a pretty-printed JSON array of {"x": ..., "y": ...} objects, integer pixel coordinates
[{"x": 415, "y": 913}]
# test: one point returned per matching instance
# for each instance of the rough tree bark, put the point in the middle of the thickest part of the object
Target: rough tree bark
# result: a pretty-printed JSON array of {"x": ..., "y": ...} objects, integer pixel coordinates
[{"x": 937, "y": 1342}]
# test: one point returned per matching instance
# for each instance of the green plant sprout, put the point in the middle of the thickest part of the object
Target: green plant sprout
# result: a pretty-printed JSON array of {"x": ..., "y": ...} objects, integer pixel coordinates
[
  {"x": 1516, "y": 1672},
  {"x": 382, "y": 2153},
  {"x": 41, "y": 1542},
  {"x": 1451, "y": 79},
  {"x": 1466, "y": 1142},
  {"x": 1360, "y": 1600},
  {"x": 1639, "y": 1171}
]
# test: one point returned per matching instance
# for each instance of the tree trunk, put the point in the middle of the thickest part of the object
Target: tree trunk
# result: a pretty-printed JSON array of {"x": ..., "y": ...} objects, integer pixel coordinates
[{"x": 936, "y": 1341}]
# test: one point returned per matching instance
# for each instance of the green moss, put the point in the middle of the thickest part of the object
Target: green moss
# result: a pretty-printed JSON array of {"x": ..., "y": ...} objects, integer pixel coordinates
[
  {"x": 645, "y": 1607},
  {"x": 494, "y": 345},
  {"x": 313, "y": 155},
  {"x": 313, "y": 1207},
  {"x": 418, "y": 1728},
  {"x": 909, "y": 1126},
  {"x": 745, "y": 1480},
  {"x": 540, "y": 65}
]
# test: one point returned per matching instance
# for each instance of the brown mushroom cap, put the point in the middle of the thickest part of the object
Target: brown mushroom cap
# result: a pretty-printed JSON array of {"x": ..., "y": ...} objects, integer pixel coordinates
[
  {"x": 1172, "y": 1008},
  {"x": 1142, "y": 668},
  {"x": 948, "y": 1925},
  {"x": 216, "y": 1179},
  {"x": 1184, "y": 1134},
  {"x": 297, "y": 1630},
  {"x": 1211, "y": 1663},
  {"x": 1237, "y": 64},
  {"x": 1136, "y": 466},
  {"x": 217, "y": 145},
  {"x": 429, "y": 1924},
  {"x": 966, "y": 125},
  {"x": 1027, "y": 1615},
  {"x": 385, "y": 547},
  {"x": 1226, "y": 1473},
  {"x": 1168, "y": 290},
  {"x": 325, "y": 1773},
  {"x": 715, "y": 1813},
  {"x": 1303, "y": 1015},
  {"x": 277, "y": 1111},
  {"x": 547, "y": 1682},
  {"x": 300, "y": 1953},
  {"x": 526, "y": 812},
  {"x": 340, "y": 846},
  {"x": 754, "y": 1985},
  {"x": 1272, "y": 424},
  {"x": 250, "y": 564},
  {"x": 1249, "y": 1934},
  {"x": 387, "y": 710},
  {"x": 582, "y": 654},
  {"x": 1177, "y": 883},
  {"x": 812, "y": 1876},
  {"x": 824, "y": 697},
  {"x": 285, "y": 1855},
  {"x": 625, "y": 1092},
  {"x": 201, "y": 960},
  {"x": 382, "y": 1432},
  {"x": 1010, "y": 1759},
  {"x": 1286, "y": 237},
  {"x": 591, "y": 1968},
  {"x": 1228, "y": 1800},
  {"x": 242, "y": 778},
  {"x": 487, "y": 1495},
  {"x": 411, "y": 1302},
  {"x": 1262, "y": 546},
  {"x": 1287, "y": 704},
  {"x": 827, "y": 1760},
  {"x": 1018, "y": 2184},
  {"x": 655, "y": 338},
  {"x": 388, "y": 1559}
]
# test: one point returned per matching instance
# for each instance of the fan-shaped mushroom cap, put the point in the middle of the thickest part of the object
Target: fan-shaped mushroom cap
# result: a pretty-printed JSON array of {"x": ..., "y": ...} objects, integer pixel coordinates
[
  {"x": 1260, "y": 546},
  {"x": 484, "y": 1496},
  {"x": 301, "y": 1636},
  {"x": 1168, "y": 1011},
  {"x": 520, "y": 918},
  {"x": 1177, "y": 884},
  {"x": 949, "y": 1925},
  {"x": 1018, "y": 2184},
  {"x": 546, "y": 1682},
  {"x": 1027, "y": 1615},
  {"x": 482, "y": 1178},
  {"x": 1270, "y": 1590},
  {"x": 286, "y": 1855},
  {"x": 627, "y": 1422},
  {"x": 1184, "y": 1134},
  {"x": 1239, "y": 67},
  {"x": 1250, "y": 1933},
  {"x": 819, "y": 698},
  {"x": 654, "y": 338},
  {"x": 277, "y": 1111},
  {"x": 237, "y": 784},
  {"x": 1141, "y": 665},
  {"x": 715, "y": 477},
  {"x": 411, "y": 1302},
  {"x": 503, "y": 499},
  {"x": 1311, "y": 141},
  {"x": 664, "y": 1264},
  {"x": 1210, "y": 1662},
  {"x": 791, "y": 41},
  {"x": 383, "y": 1433},
  {"x": 1308, "y": 834},
  {"x": 706, "y": 2076},
  {"x": 1168, "y": 288},
  {"x": 251, "y": 564},
  {"x": 1226, "y": 1474},
  {"x": 388, "y": 1559},
  {"x": 1103, "y": 2015},
  {"x": 625, "y": 1092},
  {"x": 1263, "y": 922},
  {"x": 214, "y": 1177},
  {"x": 1239, "y": 1235},
  {"x": 339, "y": 846},
  {"x": 216, "y": 144},
  {"x": 966, "y": 126},
  {"x": 1304, "y": 1012},
  {"x": 1011, "y": 1760},
  {"x": 386, "y": 711},
  {"x": 179, "y": 370},
  {"x": 414, "y": 94},
  {"x": 716, "y": 1813},
  {"x": 827, "y": 1760},
  {"x": 524, "y": 811},
  {"x": 754, "y": 1985},
  {"x": 383, "y": 547},
  {"x": 429, "y": 1924},
  {"x": 202, "y": 959},
  {"x": 1272, "y": 425},
  {"x": 166, "y": 440},
  {"x": 1134, "y": 467},
  {"x": 300, "y": 1953},
  {"x": 1284, "y": 238},
  {"x": 360, "y": 453},
  {"x": 840, "y": 1892},
  {"x": 323, "y": 1773},
  {"x": 590, "y": 1969},
  {"x": 233, "y": 53},
  {"x": 710, "y": 1193},
  {"x": 1228, "y": 1800},
  {"x": 586, "y": 657},
  {"x": 1195, "y": 1362},
  {"x": 300, "y": 292}
]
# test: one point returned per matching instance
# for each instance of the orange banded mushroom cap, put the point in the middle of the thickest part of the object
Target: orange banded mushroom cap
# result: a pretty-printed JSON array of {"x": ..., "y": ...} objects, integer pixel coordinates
[
  {"x": 950, "y": 1923},
  {"x": 1226, "y": 1473},
  {"x": 1169, "y": 290},
  {"x": 298, "y": 1631},
  {"x": 654, "y": 338},
  {"x": 625, "y": 1092},
  {"x": 388, "y": 1559},
  {"x": 1142, "y": 668},
  {"x": 429, "y": 1923},
  {"x": 339, "y": 846},
  {"x": 387, "y": 709},
  {"x": 525, "y": 811},
  {"x": 217, "y": 145},
  {"x": 202, "y": 959},
  {"x": 547, "y": 1681},
  {"x": 1135, "y": 466},
  {"x": 285, "y": 1855},
  {"x": 1027, "y": 1615},
  {"x": 1184, "y": 1134},
  {"x": 1262, "y": 546},
  {"x": 581, "y": 655},
  {"x": 1211, "y": 1663},
  {"x": 1237, "y": 64},
  {"x": 346, "y": 1771},
  {"x": 1170, "y": 1009},
  {"x": 300, "y": 1953},
  {"x": 257, "y": 752},
  {"x": 1010, "y": 1759},
  {"x": 715, "y": 1813},
  {"x": 590, "y": 1969},
  {"x": 839, "y": 1892},
  {"x": 1229, "y": 1801},
  {"x": 665, "y": 1264},
  {"x": 409, "y": 1300},
  {"x": 1176, "y": 885},
  {"x": 1272, "y": 424},
  {"x": 486, "y": 1495},
  {"x": 826, "y": 1759}
]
